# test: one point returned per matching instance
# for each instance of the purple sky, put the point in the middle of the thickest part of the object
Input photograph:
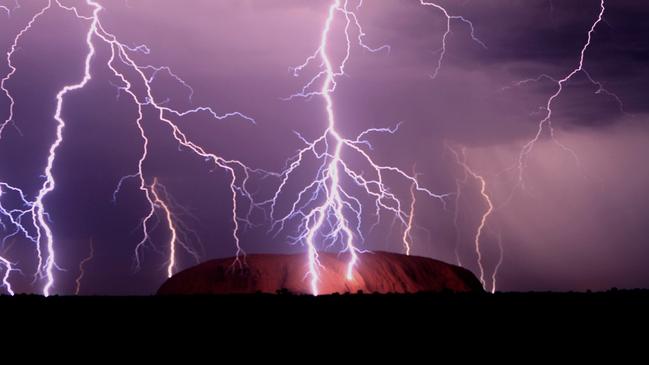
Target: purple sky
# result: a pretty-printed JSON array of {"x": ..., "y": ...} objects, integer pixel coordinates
[{"x": 576, "y": 225}]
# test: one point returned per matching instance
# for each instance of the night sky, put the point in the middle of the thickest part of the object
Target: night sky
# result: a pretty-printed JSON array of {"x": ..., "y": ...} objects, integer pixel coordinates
[{"x": 578, "y": 222}]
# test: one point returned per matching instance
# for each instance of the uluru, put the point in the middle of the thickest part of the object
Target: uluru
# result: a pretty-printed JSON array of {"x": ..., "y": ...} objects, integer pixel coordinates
[{"x": 375, "y": 272}]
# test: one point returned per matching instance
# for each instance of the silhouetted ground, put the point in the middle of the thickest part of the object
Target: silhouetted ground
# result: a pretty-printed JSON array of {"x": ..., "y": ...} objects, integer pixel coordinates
[
  {"x": 535, "y": 307},
  {"x": 442, "y": 324}
]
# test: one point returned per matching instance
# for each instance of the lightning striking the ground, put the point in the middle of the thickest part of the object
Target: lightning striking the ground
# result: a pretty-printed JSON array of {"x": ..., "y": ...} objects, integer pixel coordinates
[
  {"x": 173, "y": 233},
  {"x": 501, "y": 256},
  {"x": 6, "y": 268},
  {"x": 545, "y": 126},
  {"x": 121, "y": 56},
  {"x": 14, "y": 218},
  {"x": 328, "y": 211},
  {"x": 407, "y": 233},
  {"x": 8, "y": 10},
  {"x": 483, "y": 220},
  {"x": 460, "y": 158},
  {"x": 179, "y": 233}
]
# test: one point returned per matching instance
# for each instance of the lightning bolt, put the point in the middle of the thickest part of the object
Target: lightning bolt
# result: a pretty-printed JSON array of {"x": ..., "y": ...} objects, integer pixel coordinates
[
  {"x": 82, "y": 271},
  {"x": 163, "y": 201},
  {"x": 459, "y": 183},
  {"x": 483, "y": 220},
  {"x": 43, "y": 236},
  {"x": 329, "y": 213},
  {"x": 239, "y": 172},
  {"x": 460, "y": 158},
  {"x": 121, "y": 57},
  {"x": 546, "y": 123},
  {"x": 50, "y": 184},
  {"x": 170, "y": 223},
  {"x": 407, "y": 233},
  {"x": 447, "y": 32},
  {"x": 6, "y": 268},
  {"x": 9, "y": 10},
  {"x": 501, "y": 255},
  {"x": 12, "y": 68}
]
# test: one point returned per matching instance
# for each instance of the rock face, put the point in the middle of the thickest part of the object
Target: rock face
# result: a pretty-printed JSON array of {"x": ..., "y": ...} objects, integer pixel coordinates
[{"x": 380, "y": 272}]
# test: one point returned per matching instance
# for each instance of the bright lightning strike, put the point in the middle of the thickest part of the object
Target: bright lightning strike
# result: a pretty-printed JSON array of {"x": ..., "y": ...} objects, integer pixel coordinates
[
  {"x": 407, "y": 233},
  {"x": 177, "y": 236},
  {"x": 328, "y": 211},
  {"x": 170, "y": 223},
  {"x": 6, "y": 268},
  {"x": 460, "y": 158},
  {"x": 483, "y": 220},
  {"x": 120, "y": 58},
  {"x": 44, "y": 237}
]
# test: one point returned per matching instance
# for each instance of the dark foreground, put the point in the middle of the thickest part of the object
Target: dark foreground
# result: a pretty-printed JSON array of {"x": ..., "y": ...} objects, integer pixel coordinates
[
  {"x": 539, "y": 307},
  {"x": 444, "y": 323},
  {"x": 416, "y": 326}
]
